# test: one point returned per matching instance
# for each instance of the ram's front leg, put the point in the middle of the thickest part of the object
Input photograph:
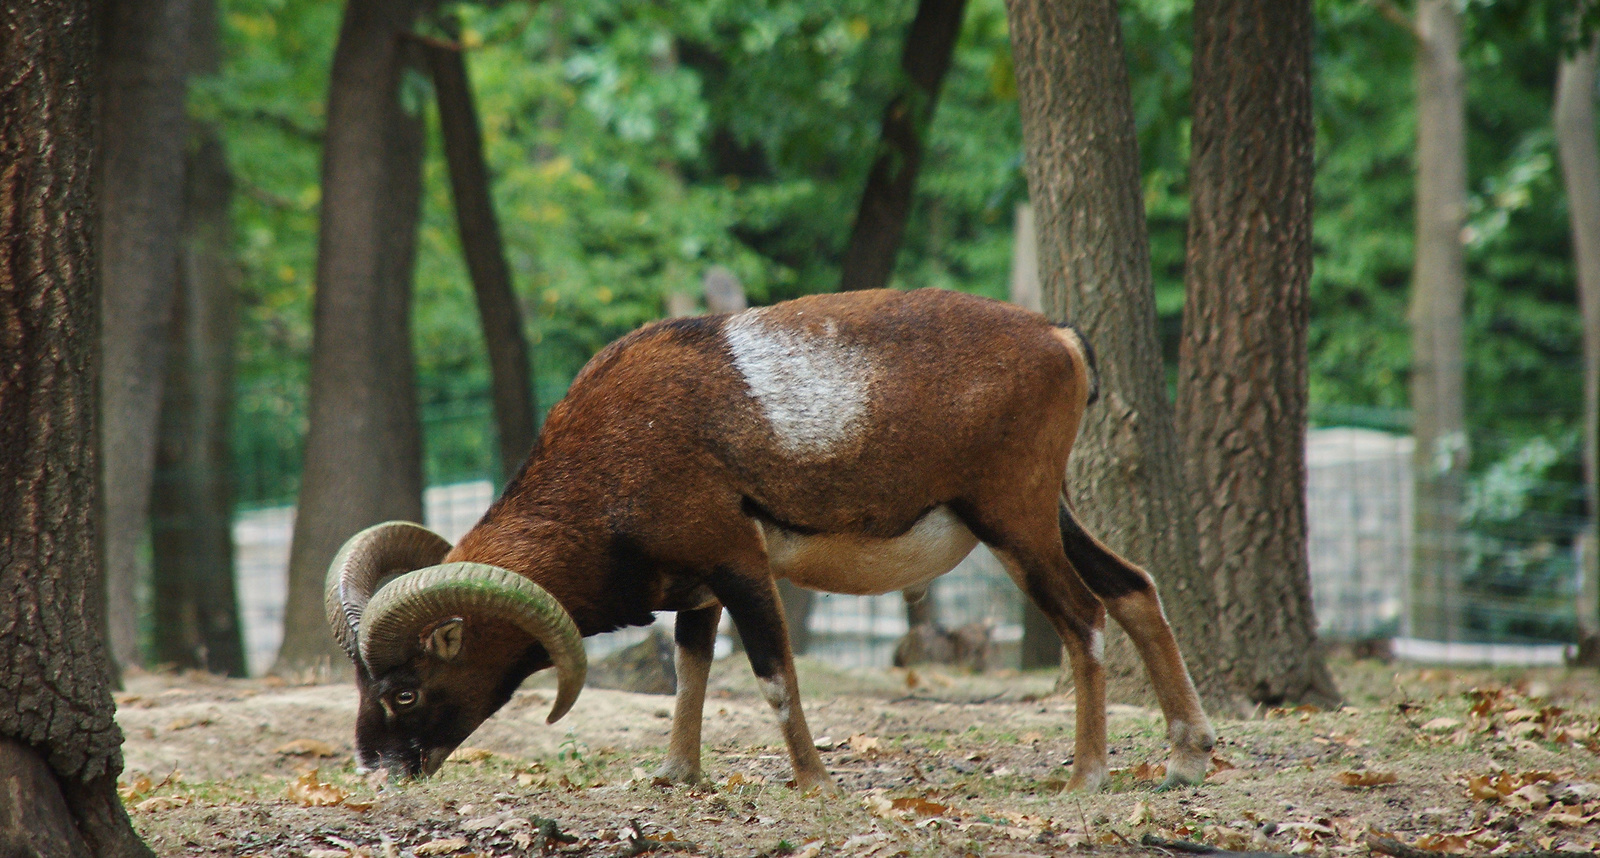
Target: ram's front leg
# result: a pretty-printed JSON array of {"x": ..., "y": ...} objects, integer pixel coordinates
[
  {"x": 696, "y": 635},
  {"x": 752, "y": 600}
]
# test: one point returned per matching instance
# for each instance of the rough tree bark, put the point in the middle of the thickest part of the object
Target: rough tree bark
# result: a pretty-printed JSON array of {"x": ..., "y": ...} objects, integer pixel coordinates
[
  {"x": 142, "y": 119},
  {"x": 363, "y": 459},
  {"x": 515, "y": 410},
  {"x": 60, "y": 749},
  {"x": 1580, "y": 170},
  {"x": 191, "y": 513},
  {"x": 886, "y": 200},
  {"x": 1438, "y": 292},
  {"x": 1083, "y": 179},
  {"x": 1242, "y": 361}
]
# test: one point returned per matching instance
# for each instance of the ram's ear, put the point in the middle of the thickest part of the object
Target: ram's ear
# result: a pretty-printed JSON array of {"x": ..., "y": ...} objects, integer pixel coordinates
[{"x": 443, "y": 641}]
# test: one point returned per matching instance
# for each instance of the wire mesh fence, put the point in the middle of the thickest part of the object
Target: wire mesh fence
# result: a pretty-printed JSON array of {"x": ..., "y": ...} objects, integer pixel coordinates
[{"x": 1514, "y": 581}]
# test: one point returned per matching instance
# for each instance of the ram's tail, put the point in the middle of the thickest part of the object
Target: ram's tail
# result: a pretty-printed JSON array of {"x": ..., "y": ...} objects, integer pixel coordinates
[{"x": 1074, "y": 340}]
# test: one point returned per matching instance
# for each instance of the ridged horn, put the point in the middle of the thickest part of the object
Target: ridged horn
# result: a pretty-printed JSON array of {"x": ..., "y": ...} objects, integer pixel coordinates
[
  {"x": 392, "y": 626},
  {"x": 382, "y": 549}
]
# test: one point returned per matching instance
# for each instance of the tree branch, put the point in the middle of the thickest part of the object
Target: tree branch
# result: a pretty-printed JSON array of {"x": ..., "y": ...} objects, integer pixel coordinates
[{"x": 1396, "y": 16}]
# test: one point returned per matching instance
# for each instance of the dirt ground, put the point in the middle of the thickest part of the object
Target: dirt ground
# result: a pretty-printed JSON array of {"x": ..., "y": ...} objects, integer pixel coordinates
[{"x": 932, "y": 763}]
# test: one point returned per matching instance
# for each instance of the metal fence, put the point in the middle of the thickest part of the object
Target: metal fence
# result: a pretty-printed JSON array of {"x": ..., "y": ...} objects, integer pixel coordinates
[{"x": 1517, "y": 585}]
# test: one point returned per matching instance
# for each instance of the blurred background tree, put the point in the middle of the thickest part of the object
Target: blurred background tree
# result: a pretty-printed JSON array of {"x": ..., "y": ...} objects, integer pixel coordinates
[{"x": 633, "y": 146}]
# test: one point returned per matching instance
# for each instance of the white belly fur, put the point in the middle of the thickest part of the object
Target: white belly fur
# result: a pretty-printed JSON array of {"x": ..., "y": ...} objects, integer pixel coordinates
[{"x": 862, "y": 566}]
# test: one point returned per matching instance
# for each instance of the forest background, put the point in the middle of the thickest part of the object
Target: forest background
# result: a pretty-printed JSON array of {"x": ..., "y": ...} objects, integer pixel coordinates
[{"x": 635, "y": 145}]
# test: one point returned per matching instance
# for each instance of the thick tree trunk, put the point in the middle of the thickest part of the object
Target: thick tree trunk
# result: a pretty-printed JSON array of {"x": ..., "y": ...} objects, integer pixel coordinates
[
  {"x": 1248, "y": 270},
  {"x": 363, "y": 460},
  {"x": 515, "y": 411},
  {"x": 195, "y": 607},
  {"x": 60, "y": 748},
  {"x": 886, "y": 200},
  {"x": 144, "y": 55},
  {"x": 1083, "y": 179},
  {"x": 1438, "y": 292},
  {"x": 1576, "y": 139}
]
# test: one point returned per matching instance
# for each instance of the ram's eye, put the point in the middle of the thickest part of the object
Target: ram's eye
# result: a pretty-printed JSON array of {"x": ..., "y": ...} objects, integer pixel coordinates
[{"x": 405, "y": 699}]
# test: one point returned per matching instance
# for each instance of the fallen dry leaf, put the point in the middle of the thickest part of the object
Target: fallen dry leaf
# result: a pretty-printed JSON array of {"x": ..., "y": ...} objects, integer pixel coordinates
[
  {"x": 1147, "y": 772},
  {"x": 1227, "y": 838},
  {"x": 132, "y": 789},
  {"x": 1442, "y": 725},
  {"x": 441, "y": 847},
  {"x": 1444, "y": 842},
  {"x": 309, "y": 790},
  {"x": 878, "y": 805},
  {"x": 863, "y": 744},
  {"x": 160, "y": 803},
  {"x": 469, "y": 755},
  {"x": 306, "y": 748},
  {"x": 1368, "y": 778},
  {"x": 1141, "y": 815},
  {"x": 1561, "y": 817},
  {"x": 329, "y": 853},
  {"x": 1530, "y": 797},
  {"x": 919, "y": 807},
  {"x": 1228, "y": 776}
]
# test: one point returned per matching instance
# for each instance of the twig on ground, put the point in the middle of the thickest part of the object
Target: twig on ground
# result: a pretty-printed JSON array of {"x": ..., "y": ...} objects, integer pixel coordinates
[
  {"x": 1390, "y": 846},
  {"x": 1189, "y": 846},
  {"x": 1194, "y": 848}
]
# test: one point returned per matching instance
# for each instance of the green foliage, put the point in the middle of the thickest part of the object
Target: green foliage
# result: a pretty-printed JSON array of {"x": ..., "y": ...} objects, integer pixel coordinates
[{"x": 635, "y": 145}]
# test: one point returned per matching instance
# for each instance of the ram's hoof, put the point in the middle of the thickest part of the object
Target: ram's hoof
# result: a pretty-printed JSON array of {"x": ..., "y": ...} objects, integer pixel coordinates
[{"x": 679, "y": 772}]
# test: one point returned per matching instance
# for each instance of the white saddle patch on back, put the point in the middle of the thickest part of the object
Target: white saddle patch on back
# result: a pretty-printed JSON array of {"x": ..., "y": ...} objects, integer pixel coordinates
[{"x": 811, "y": 386}]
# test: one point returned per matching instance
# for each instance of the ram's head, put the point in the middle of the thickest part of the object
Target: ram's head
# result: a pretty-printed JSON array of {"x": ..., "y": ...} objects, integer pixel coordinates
[{"x": 439, "y": 647}]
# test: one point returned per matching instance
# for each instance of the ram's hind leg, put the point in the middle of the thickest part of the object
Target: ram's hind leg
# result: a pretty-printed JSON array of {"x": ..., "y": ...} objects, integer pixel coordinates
[
  {"x": 1130, "y": 595},
  {"x": 1079, "y": 618},
  {"x": 696, "y": 635}
]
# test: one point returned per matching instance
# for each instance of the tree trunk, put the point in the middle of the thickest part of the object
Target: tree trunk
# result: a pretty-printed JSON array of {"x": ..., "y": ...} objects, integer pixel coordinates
[
  {"x": 1248, "y": 269},
  {"x": 363, "y": 460},
  {"x": 1041, "y": 646},
  {"x": 515, "y": 411},
  {"x": 1083, "y": 178},
  {"x": 195, "y": 607},
  {"x": 886, "y": 200},
  {"x": 60, "y": 748},
  {"x": 1438, "y": 291},
  {"x": 1580, "y": 169},
  {"x": 144, "y": 55}
]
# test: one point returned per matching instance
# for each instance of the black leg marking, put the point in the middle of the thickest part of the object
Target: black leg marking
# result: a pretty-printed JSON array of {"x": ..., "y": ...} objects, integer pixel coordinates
[
  {"x": 758, "y": 615},
  {"x": 696, "y": 631},
  {"x": 1109, "y": 576}
]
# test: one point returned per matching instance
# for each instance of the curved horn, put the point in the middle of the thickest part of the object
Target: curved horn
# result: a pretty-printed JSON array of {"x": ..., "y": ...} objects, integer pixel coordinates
[
  {"x": 398, "y": 613},
  {"x": 394, "y": 546}
]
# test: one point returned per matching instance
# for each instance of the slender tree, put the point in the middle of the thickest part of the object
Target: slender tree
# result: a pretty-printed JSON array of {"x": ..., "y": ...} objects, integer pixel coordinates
[
  {"x": 511, "y": 375},
  {"x": 1580, "y": 170},
  {"x": 145, "y": 62},
  {"x": 1438, "y": 294},
  {"x": 1242, "y": 363},
  {"x": 195, "y": 606},
  {"x": 1083, "y": 178},
  {"x": 1041, "y": 646},
  {"x": 886, "y": 200},
  {"x": 363, "y": 459},
  {"x": 60, "y": 748}
]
